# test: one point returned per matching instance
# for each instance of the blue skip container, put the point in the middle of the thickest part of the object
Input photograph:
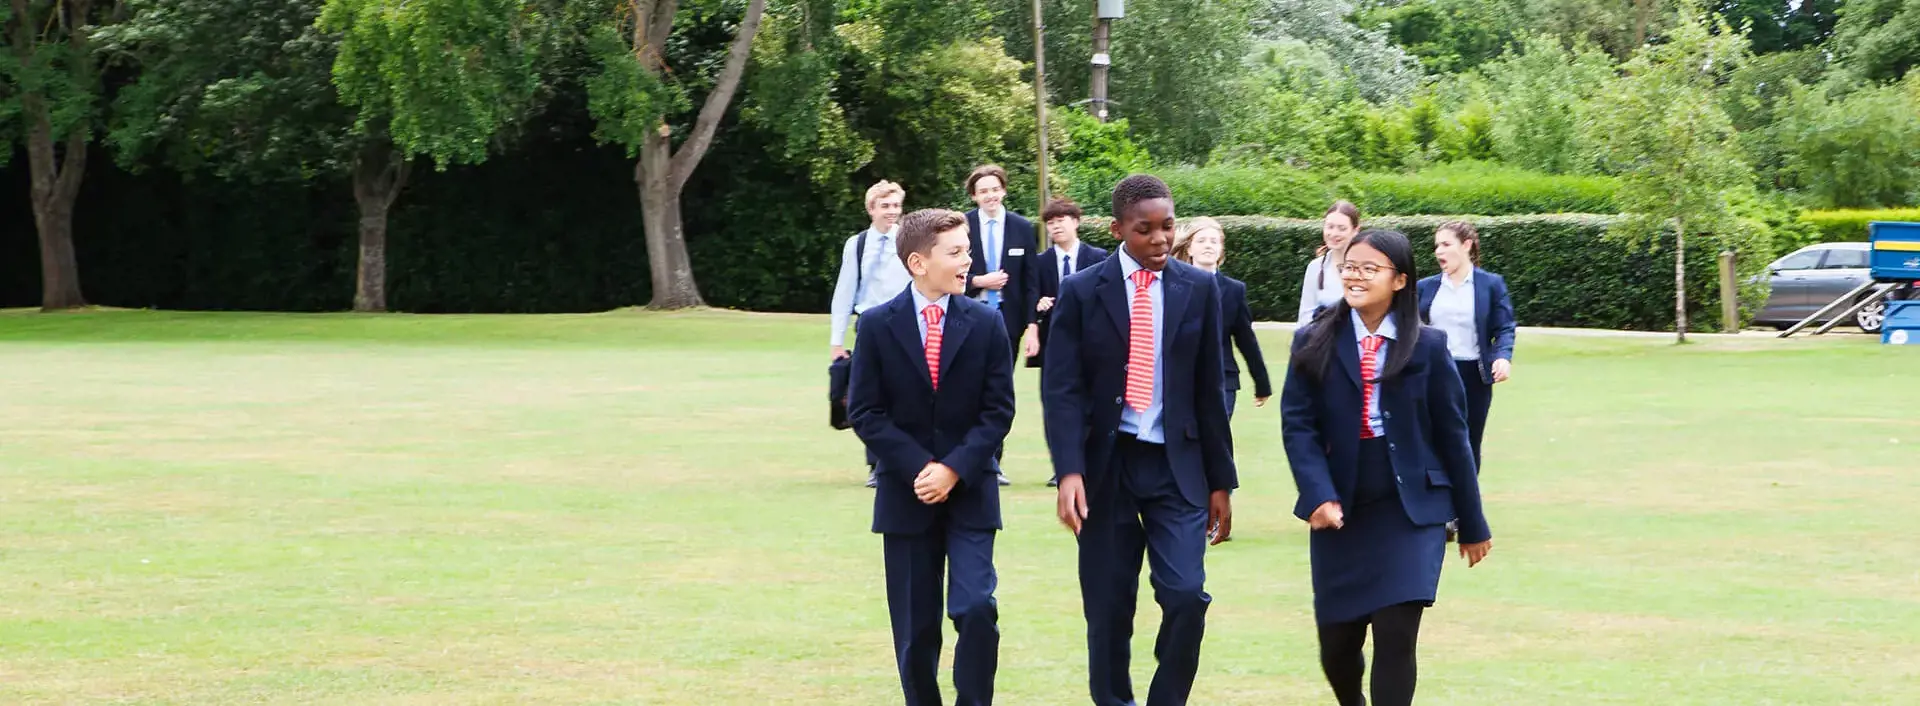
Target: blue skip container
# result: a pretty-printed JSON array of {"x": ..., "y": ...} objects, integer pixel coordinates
[
  {"x": 1902, "y": 327},
  {"x": 1896, "y": 251}
]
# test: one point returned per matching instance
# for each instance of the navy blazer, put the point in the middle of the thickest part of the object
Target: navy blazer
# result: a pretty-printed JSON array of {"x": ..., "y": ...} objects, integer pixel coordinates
[
  {"x": 1050, "y": 286},
  {"x": 1086, "y": 380},
  {"x": 1022, "y": 292},
  {"x": 1237, "y": 323},
  {"x": 1492, "y": 316},
  {"x": 1425, "y": 410},
  {"x": 907, "y": 424}
]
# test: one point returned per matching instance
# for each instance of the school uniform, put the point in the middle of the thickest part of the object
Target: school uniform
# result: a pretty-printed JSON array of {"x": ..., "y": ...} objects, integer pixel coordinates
[
  {"x": 1133, "y": 404},
  {"x": 1055, "y": 266},
  {"x": 1320, "y": 288},
  {"x": 1005, "y": 243},
  {"x": 1237, "y": 324},
  {"x": 1396, "y": 456},
  {"x": 1477, "y": 316},
  {"x": 934, "y": 382},
  {"x": 871, "y": 273}
]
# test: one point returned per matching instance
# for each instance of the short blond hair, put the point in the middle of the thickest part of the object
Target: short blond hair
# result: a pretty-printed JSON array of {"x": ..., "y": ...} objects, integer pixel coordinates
[
  {"x": 882, "y": 189},
  {"x": 1183, "y": 241}
]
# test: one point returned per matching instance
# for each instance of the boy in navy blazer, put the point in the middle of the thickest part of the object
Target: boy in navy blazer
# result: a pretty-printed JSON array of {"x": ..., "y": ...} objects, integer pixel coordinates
[
  {"x": 1137, "y": 427},
  {"x": 932, "y": 396},
  {"x": 1067, "y": 256}
]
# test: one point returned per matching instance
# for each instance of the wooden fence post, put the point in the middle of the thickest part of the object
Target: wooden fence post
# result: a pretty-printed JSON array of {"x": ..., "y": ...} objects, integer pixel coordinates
[{"x": 1729, "y": 294}]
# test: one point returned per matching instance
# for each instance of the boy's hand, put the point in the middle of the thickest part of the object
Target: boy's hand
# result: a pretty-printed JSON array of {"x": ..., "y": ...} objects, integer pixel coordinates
[
  {"x": 1220, "y": 516},
  {"x": 1031, "y": 342},
  {"x": 991, "y": 280},
  {"x": 1045, "y": 304},
  {"x": 1072, "y": 504},
  {"x": 934, "y": 483},
  {"x": 839, "y": 352},
  {"x": 1327, "y": 516}
]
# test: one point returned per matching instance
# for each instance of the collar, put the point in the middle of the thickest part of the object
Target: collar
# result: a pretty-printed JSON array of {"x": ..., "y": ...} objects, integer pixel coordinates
[
  {"x": 920, "y": 301},
  {"x": 1070, "y": 252},
  {"x": 1128, "y": 265},
  {"x": 1387, "y": 328},
  {"x": 1000, "y": 217},
  {"x": 1466, "y": 282},
  {"x": 888, "y": 233}
]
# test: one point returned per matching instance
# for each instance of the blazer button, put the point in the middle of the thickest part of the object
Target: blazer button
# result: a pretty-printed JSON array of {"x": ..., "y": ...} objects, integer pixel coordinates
[
  {"x": 1388, "y": 415},
  {"x": 1398, "y": 479},
  {"x": 1391, "y": 447},
  {"x": 1118, "y": 400}
]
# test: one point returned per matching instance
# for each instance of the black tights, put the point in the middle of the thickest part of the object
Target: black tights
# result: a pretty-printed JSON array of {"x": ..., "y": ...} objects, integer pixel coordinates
[{"x": 1396, "y": 630}]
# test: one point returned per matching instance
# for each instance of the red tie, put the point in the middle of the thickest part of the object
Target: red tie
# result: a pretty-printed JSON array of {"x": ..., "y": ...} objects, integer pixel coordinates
[
  {"x": 1140, "y": 344},
  {"x": 1369, "y": 365},
  {"x": 933, "y": 314}
]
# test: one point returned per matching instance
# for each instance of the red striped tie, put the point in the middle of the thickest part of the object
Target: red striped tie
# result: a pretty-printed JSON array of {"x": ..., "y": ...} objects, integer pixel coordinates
[
  {"x": 1369, "y": 367},
  {"x": 933, "y": 315},
  {"x": 1140, "y": 344}
]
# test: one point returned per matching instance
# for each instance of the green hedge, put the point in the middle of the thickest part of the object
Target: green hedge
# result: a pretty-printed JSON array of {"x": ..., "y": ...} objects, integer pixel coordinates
[
  {"x": 1477, "y": 188},
  {"x": 1560, "y": 268},
  {"x": 1850, "y": 225},
  {"x": 1244, "y": 191}
]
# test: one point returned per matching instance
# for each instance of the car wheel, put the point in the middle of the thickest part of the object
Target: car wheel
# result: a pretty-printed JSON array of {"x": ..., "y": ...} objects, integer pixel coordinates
[{"x": 1870, "y": 317}]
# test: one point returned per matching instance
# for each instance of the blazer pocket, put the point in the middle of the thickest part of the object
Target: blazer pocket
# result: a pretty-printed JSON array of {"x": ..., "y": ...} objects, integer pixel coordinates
[{"x": 1439, "y": 478}]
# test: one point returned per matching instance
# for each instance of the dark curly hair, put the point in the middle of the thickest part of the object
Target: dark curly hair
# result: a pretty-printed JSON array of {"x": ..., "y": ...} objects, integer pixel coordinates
[{"x": 1137, "y": 188}]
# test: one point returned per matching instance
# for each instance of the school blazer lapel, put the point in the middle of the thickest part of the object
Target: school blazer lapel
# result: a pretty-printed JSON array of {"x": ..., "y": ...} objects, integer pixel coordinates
[
  {"x": 1175, "y": 292},
  {"x": 1482, "y": 291},
  {"x": 955, "y": 327},
  {"x": 906, "y": 329},
  {"x": 1116, "y": 293},
  {"x": 1347, "y": 350}
]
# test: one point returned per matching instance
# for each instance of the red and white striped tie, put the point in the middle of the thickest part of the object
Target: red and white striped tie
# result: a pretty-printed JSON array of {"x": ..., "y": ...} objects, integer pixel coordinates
[
  {"x": 1140, "y": 344},
  {"x": 933, "y": 314},
  {"x": 1369, "y": 367}
]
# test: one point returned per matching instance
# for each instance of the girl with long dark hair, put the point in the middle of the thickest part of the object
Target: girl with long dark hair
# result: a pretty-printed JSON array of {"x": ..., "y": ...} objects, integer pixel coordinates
[{"x": 1375, "y": 426}]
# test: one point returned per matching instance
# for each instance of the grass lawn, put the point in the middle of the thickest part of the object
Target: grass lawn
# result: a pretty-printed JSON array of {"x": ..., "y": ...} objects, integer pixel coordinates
[{"x": 643, "y": 508}]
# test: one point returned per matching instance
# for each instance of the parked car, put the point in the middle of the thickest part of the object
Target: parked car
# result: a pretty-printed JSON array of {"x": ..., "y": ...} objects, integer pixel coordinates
[{"x": 1814, "y": 276}]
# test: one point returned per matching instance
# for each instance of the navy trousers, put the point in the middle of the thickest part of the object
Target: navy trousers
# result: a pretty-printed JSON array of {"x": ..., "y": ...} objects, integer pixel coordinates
[
  {"x": 1139, "y": 510},
  {"x": 914, "y": 568}
]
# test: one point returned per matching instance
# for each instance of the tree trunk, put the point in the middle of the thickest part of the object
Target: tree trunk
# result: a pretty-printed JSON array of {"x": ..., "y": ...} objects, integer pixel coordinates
[
  {"x": 56, "y": 185},
  {"x": 1680, "y": 279},
  {"x": 379, "y": 173},
  {"x": 667, "y": 261},
  {"x": 662, "y": 171},
  {"x": 1643, "y": 11}
]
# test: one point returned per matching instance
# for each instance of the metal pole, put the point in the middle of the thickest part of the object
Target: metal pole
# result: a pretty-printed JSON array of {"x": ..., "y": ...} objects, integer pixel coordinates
[
  {"x": 1102, "y": 31},
  {"x": 1040, "y": 97}
]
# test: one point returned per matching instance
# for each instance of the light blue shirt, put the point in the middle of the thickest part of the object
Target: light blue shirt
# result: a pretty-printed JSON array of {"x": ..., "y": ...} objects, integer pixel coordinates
[
  {"x": 1147, "y": 424},
  {"x": 1452, "y": 311},
  {"x": 920, "y": 305},
  {"x": 868, "y": 283},
  {"x": 1387, "y": 329},
  {"x": 991, "y": 227}
]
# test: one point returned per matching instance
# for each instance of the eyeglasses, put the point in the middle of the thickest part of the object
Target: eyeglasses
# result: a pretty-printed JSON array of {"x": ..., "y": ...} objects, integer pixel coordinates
[{"x": 1362, "y": 270}]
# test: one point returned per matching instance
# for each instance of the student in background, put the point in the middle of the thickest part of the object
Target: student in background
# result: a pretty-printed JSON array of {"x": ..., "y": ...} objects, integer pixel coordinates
[
  {"x": 1067, "y": 256},
  {"x": 1203, "y": 243},
  {"x": 1003, "y": 275},
  {"x": 870, "y": 271},
  {"x": 932, "y": 395},
  {"x": 1137, "y": 427},
  {"x": 1375, "y": 425},
  {"x": 1472, "y": 306},
  {"x": 1322, "y": 287}
]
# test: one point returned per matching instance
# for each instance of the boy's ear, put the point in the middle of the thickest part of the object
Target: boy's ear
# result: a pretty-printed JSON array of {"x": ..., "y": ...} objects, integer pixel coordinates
[{"x": 1114, "y": 228}]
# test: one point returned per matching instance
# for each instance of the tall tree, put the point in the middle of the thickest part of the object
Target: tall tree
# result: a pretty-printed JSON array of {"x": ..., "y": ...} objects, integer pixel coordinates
[
  {"x": 1878, "y": 40},
  {"x": 299, "y": 88},
  {"x": 50, "y": 97},
  {"x": 1665, "y": 132},
  {"x": 634, "y": 95}
]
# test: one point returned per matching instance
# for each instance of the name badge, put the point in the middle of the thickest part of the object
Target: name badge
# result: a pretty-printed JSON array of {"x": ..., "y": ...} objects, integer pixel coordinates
[{"x": 1016, "y": 252}]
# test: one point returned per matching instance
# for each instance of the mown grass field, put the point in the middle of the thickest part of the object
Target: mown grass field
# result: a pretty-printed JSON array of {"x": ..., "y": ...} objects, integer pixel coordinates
[{"x": 650, "y": 509}]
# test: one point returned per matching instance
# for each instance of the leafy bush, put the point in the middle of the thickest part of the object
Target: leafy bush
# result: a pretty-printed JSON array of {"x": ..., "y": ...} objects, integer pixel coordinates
[
  {"x": 1849, "y": 225},
  {"x": 1246, "y": 191},
  {"x": 1478, "y": 187},
  {"x": 1563, "y": 270}
]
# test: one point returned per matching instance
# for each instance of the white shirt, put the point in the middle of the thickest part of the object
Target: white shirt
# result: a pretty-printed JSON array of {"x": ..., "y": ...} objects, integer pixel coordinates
[
  {"x": 1315, "y": 293},
  {"x": 919, "y": 312},
  {"x": 1066, "y": 257},
  {"x": 1389, "y": 331},
  {"x": 1147, "y": 424},
  {"x": 993, "y": 230},
  {"x": 1452, "y": 311},
  {"x": 885, "y": 277}
]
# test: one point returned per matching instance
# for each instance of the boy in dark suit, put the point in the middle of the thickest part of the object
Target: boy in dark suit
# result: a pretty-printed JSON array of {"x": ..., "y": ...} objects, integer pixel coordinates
[
  {"x": 1067, "y": 256},
  {"x": 1137, "y": 425},
  {"x": 932, "y": 397},
  {"x": 1002, "y": 274}
]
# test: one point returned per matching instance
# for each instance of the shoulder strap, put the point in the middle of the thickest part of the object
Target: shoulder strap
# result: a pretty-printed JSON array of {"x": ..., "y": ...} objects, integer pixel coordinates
[{"x": 860, "y": 261}]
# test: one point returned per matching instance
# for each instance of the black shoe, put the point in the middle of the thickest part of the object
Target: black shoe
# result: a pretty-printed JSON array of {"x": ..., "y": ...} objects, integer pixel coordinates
[
  {"x": 1053, "y": 482},
  {"x": 1003, "y": 479},
  {"x": 873, "y": 479}
]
